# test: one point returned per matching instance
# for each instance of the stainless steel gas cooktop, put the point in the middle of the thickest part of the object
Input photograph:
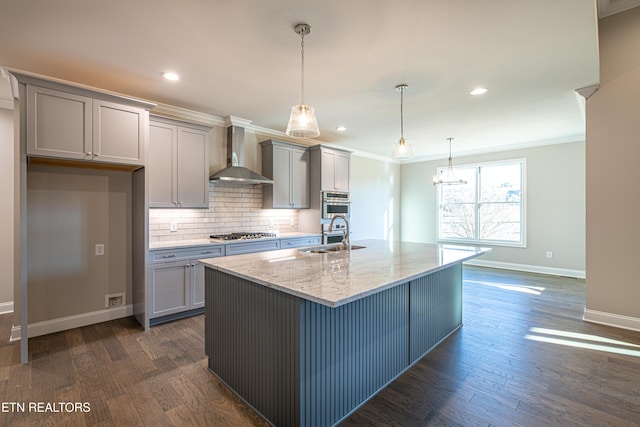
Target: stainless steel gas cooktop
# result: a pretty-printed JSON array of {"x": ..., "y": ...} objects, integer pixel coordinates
[{"x": 242, "y": 235}]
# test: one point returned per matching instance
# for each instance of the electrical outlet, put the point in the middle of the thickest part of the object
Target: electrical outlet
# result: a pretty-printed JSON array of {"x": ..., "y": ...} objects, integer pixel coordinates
[
  {"x": 99, "y": 249},
  {"x": 292, "y": 221},
  {"x": 271, "y": 222},
  {"x": 173, "y": 226},
  {"x": 549, "y": 254}
]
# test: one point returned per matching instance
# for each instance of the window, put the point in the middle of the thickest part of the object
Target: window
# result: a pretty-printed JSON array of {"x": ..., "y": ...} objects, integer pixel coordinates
[{"x": 489, "y": 208}]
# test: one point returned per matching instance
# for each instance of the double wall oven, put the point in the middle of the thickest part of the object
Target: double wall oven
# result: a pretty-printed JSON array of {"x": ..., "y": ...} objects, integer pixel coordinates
[{"x": 334, "y": 203}]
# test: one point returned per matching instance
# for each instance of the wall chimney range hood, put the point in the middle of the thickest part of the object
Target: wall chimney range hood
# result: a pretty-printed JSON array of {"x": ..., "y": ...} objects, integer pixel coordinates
[{"x": 235, "y": 170}]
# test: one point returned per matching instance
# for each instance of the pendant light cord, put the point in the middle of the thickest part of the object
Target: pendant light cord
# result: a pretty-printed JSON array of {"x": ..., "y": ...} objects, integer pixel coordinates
[
  {"x": 402, "y": 115},
  {"x": 302, "y": 68}
]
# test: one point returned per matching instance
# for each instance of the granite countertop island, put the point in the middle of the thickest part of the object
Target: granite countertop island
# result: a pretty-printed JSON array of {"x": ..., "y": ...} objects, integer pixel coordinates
[
  {"x": 306, "y": 338},
  {"x": 337, "y": 278}
]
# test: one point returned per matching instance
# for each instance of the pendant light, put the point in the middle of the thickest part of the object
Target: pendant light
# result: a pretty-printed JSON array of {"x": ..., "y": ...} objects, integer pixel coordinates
[
  {"x": 447, "y": 177},
  {"x": 303, "y": 122},
  {"x": 402, "y": 150}
]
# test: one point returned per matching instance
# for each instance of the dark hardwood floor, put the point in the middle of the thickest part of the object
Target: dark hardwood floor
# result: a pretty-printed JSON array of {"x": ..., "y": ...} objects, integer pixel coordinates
[{"x": 524, "y": 357}]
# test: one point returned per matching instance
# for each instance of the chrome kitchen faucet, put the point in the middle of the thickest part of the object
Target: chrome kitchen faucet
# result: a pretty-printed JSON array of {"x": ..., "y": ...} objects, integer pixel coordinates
[{"x": 346, "y": 241}]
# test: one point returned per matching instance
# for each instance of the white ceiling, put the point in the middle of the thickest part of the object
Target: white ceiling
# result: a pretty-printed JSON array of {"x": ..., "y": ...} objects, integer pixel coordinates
[{"x": 242, "y": 58}]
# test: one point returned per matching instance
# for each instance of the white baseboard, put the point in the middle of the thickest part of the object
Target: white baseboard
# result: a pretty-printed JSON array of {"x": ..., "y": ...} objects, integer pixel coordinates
[
  {"x": 6, "y": 307},
  {"x": 70, "y": 322},
  {"x": 579, "y": 274},
  {"x": 611, "y": 319}
]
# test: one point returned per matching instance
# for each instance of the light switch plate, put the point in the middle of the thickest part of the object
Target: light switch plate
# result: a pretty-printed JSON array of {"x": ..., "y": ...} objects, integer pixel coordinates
[
  {"x": 99, "y": 249},
  {"x": 173, "y": 226}
]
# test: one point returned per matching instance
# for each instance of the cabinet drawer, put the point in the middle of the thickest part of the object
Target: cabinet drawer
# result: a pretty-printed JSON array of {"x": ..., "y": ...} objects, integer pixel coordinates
[
  {"x": 298, "y": 242},
  {"x": 180, "y": 254},
  {"x": 249, "y": 247}
]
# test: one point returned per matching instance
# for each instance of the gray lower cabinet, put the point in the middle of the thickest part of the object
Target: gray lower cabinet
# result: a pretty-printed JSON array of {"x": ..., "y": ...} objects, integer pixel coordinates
[
  {"x": 171, "y": 288},
  {"x": 177, "y": 282},
  {"x": 178, "y": 165},
  {"x": 75, "y": 126},
  {"x": 299, "y": 242},
  {"x": 177, "y": 279},
  {"x": 249, "y": 247}
]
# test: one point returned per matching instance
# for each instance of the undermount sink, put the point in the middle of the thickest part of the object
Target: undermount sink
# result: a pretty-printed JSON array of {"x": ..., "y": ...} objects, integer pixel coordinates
[{"x": 325, "y": 249}]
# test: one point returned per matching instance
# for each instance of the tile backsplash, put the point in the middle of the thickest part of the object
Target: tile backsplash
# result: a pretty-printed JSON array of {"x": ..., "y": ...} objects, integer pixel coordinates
[{"x": 232, "y": 207}]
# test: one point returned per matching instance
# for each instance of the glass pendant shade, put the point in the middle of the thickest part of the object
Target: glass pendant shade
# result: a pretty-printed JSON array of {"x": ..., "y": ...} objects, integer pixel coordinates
[
  {"x": 303, "y": 122},
  {"x": 402, "y": 150}
]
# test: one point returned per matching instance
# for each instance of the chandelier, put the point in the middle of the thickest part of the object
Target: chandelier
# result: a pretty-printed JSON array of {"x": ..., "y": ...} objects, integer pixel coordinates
[{"x": 447, "y": 176}]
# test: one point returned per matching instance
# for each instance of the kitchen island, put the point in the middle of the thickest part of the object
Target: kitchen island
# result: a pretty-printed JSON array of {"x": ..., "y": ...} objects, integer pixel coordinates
[{"x": 305, "y": 338}]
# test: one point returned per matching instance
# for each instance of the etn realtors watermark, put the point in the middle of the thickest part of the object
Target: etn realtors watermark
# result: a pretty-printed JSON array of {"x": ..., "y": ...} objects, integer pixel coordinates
[{"x": 45, "y": 407}]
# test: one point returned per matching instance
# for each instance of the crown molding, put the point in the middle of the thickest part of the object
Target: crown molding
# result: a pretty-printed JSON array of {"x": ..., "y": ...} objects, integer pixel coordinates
[
  {"x": 379, "y": 157},
  {"x": 186, "y": 115},
  {"x": 6, "y": 103},
  {"x": 611, "y": 7},
  {"x": 587, "y": 91},
  {"x": 487, "y": 150}
]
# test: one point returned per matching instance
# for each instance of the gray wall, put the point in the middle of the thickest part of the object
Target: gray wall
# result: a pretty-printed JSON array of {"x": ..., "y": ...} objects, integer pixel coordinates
[
  {"x": 70, "y": 211},
  {"x": 375, "y": 192},
  {"x": 555, "y": 205},
  {"x": 6, "y": 209},
  {"x": 613, "y": 173}
]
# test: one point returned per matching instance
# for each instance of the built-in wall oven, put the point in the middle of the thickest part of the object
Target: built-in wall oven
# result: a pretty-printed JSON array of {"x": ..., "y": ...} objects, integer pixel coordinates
[
  {"x": 333, "y": 236},
  {"x": 335, "y": 203}
]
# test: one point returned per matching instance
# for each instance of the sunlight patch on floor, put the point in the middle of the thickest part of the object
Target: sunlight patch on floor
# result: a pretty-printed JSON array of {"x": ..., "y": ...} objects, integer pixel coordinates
[
  {"x": 533, "y": 290},
  {"x": 586, "y": 341}
]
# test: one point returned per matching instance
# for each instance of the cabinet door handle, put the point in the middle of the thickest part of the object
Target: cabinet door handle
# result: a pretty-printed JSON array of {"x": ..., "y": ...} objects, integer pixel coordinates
[
  {"x": 206, "y": 252},
  {"x": 170, "y": 256}
]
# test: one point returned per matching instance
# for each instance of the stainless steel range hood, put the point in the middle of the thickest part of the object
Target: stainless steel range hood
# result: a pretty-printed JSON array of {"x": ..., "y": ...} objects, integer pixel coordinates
[{"x": 235, "y": 170}]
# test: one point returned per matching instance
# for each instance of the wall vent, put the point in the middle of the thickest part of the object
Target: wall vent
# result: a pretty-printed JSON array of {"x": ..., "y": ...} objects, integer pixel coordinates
[{"x": 114, "y": 300}]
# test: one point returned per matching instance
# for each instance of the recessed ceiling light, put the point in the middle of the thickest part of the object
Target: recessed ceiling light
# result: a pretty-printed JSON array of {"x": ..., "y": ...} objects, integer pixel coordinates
[
  {"x": 479, "y": 91},
  {"x": 341, "y": 128},
  {"x": 171, "y": 76}
]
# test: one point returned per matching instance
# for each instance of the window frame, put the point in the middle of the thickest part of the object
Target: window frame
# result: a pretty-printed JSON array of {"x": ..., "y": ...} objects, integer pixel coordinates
[{"x": 476, "y": 240}]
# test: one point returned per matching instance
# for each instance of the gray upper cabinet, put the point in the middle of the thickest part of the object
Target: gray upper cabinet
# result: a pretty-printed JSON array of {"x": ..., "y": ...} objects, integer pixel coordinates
[
  {"x": 335, "y": 170},
  {"x": 73, "y": 126},
  {"x": 119, "y": 133},
  {"x": 162, "y": 164},
  {"x": 178, "y": 165},
  {"x": 288, "y": 166}
]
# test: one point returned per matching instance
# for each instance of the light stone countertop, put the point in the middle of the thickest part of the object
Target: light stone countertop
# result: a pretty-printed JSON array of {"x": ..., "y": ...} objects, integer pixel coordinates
[
  {"x": 337, "y": 278},
  {"x": 175, "y": 244}
]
